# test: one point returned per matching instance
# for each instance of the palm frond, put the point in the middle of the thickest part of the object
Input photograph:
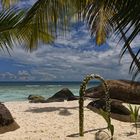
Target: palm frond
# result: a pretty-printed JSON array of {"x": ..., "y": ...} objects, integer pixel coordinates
[
  {"x": 43, "y": 19},
  {"x": 41, "y": 22},
  {"x": 127, "y": 18},
  {"x": 8, "y": 3},
  {"x": 103, "y": 16},
  {"x": 135, "y": 64},
  {"x": 98, "y": 16},
  {"x": 9, "y": 19}
]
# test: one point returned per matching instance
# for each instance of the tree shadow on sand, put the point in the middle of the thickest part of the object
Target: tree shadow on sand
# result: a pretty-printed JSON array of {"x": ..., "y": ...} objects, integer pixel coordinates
[
  {"x": 62, "y": 110},
  {"x": 77, "y": 134},
  {"x": 132, "y": 131}
]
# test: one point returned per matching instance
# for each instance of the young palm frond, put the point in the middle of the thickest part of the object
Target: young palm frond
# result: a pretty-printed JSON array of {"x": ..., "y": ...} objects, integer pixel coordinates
[{"x": 134, "y": 114}]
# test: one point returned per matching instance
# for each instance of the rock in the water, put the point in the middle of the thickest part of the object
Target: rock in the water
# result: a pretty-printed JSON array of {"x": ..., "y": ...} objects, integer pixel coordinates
[
  {"x": 118, "y": 111},
  {"x": 126, "y": 91},
  {"x": 36, "y": 99},
  {"x": 7, "y": 122},
  {"x": 64, "y": 94}
]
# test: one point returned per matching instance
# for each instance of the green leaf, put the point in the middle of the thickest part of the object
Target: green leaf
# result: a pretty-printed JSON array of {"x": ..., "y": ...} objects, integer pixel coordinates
[
  {"x": 111, "y": 129},
  {"x": 134, "y": 112},
  {"x": 105, "y": 116}
]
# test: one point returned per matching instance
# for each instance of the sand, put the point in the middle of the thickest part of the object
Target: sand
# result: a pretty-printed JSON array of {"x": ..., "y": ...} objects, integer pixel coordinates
[{"x": 60, "y": 121}]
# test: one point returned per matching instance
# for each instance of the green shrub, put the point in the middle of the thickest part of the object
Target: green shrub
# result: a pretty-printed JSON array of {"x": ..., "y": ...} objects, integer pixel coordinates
[{"x": 134, "y": 114}]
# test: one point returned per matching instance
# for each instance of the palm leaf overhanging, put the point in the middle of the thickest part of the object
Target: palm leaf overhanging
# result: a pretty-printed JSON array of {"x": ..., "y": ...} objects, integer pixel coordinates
[
  {"x": 103, "y": 17},
  {"x": 44, "y": 18},
  {"x": 127, "y": 19},
  {"x": 9, "y": 19},
  {"x": 98, "y": 17},
  {"x": 12, "y": 32},
  {"x": 41, "y": 22}
]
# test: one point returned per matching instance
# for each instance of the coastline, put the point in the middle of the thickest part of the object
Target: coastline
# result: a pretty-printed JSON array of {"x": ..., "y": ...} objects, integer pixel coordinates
[{"x": 60, "y": 121}]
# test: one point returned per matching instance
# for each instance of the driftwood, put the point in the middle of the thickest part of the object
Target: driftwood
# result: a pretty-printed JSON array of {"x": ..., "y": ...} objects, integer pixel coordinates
[{"x": 126, "y": 91}]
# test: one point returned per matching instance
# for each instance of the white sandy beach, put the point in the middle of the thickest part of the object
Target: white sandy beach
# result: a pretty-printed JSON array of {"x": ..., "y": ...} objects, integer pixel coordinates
[{"x": 59, "y": 121}]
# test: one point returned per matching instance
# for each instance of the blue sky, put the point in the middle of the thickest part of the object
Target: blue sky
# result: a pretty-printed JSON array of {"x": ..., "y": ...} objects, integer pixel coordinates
[{"x": 70, "y": 58}]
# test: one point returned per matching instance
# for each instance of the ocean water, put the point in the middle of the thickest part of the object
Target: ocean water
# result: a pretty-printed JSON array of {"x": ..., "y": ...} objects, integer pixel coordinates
[{"x": 19, "y": 91}]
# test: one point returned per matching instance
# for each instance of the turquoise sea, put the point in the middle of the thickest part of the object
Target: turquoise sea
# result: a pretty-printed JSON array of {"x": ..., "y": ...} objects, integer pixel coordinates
[{"x": 19, "y": 91}]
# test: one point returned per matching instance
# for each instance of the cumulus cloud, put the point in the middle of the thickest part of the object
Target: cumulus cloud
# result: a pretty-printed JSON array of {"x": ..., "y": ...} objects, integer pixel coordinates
[
  {"x": 7, "y": 76},
  {"x": 23, "y": 75},
  {"x": 71, "y": 58}
]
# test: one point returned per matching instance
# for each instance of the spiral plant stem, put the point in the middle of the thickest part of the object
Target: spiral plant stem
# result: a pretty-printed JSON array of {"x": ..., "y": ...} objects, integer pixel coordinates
[{"x": 81, "y": 99}]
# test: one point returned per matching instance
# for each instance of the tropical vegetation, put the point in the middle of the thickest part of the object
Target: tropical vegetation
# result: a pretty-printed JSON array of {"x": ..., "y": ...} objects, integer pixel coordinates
[
  {"x": 134, "y": 115},
  {"x": 44, "y": 19},
  {"x": 105, "y": 114}
]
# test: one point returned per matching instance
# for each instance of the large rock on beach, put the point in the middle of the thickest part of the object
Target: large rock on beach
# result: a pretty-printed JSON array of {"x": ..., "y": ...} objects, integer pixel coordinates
[
  {"x": 36, "y": 99},
  {"x": 64, "y": 94},
  {"x": 7, "y": 122},
  {"x": 118, "y": 110},
  {"x": 126, "y": 91}
]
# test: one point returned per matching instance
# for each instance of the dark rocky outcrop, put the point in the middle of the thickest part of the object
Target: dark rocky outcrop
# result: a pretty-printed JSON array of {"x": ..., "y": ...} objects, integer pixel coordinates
[
  {"x": 116, "y": 106},
  {"x": 60, "y": 96},
  {"x": 36, "y": 99},
  {"x": 118, "y": 111},
  {"x": 7, "y": 122},
  {"x": 64, "y": 94},
  {"x": 126, "y": 91}
]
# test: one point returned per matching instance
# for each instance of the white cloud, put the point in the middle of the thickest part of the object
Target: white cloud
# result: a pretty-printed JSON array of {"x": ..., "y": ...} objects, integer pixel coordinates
[
  {"x": 71, "y": 58},
  {"x": 26, "y": 75},
  {"x": 7, "y": 76}
]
